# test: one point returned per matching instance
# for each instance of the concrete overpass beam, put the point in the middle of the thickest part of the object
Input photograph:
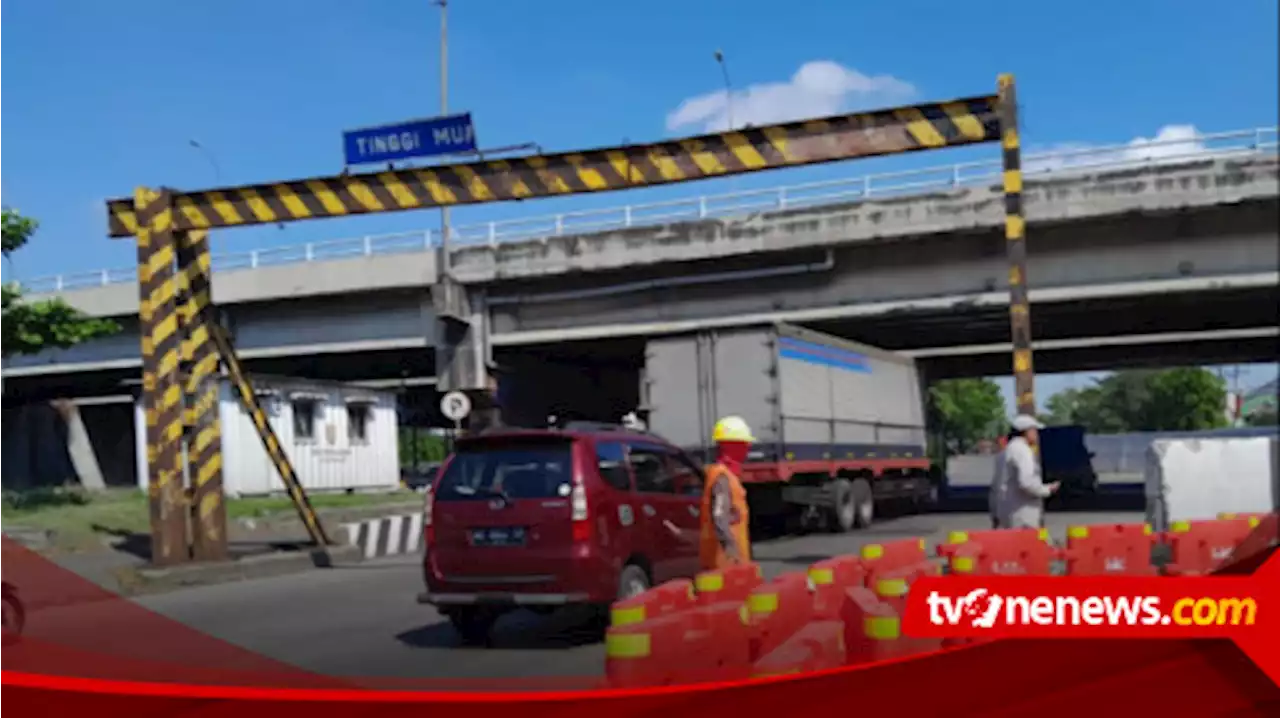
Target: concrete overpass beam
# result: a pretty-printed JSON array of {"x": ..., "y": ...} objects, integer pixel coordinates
[{"x": 462, "y": 353}]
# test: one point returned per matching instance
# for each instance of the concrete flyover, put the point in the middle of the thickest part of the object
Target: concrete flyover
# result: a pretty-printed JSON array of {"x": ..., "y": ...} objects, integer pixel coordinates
[{"x": 1151, "y": 249}]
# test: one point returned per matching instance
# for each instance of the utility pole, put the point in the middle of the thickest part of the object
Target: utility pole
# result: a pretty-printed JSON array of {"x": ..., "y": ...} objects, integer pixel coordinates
[{"x": 445, "y": 264}]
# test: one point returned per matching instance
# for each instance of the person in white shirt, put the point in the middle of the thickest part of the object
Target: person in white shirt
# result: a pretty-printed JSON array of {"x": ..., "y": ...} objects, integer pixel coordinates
[{"x": 1017, "y": 491}]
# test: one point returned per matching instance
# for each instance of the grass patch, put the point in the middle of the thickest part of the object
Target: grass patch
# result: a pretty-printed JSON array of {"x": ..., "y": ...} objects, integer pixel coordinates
[
  {"x": 81, "y": 519},
  {"x": 262, "y": 506}
]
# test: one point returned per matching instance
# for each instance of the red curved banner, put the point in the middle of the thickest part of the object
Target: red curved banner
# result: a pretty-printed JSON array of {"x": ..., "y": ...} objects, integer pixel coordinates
[{"x": 119, "y": 658}]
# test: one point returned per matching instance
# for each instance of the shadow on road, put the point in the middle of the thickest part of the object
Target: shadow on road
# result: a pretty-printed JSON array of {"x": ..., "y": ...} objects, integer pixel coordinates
[
  {"x": 139, "y": 544},
  {"x": 520, "y": 630}
]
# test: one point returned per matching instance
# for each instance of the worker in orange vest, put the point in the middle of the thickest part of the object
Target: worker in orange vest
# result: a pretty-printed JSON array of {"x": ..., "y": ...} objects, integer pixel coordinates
[{"x": 725, "y": 538}]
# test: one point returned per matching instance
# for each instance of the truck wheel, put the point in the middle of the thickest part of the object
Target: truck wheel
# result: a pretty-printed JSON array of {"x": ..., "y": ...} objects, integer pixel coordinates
[
  {"x": 844, "y": 509},
  {"x": 927, "y": 500},
  {"x": 865, "y": 503}
]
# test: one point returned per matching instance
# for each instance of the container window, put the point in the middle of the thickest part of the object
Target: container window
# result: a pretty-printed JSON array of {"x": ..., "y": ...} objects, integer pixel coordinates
[
  {"x": 510, "y": 472},
  {"x": 304, "y": 419},
  {"x": 611, "y": 462},
  {"x": 358, "y": 422},
  {"x": 652, "y": 470}
]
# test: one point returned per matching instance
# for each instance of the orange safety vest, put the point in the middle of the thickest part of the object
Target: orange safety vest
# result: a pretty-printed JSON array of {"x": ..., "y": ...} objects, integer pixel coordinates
[{"x": 711, "y": 553}]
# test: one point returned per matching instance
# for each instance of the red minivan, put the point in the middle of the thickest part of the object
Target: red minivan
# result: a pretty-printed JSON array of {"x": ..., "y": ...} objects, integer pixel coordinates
[{"x": 548, "y": 518}]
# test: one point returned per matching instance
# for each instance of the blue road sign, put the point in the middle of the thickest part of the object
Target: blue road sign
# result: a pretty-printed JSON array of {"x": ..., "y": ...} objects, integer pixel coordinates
[{"x": 452, "y": 134}]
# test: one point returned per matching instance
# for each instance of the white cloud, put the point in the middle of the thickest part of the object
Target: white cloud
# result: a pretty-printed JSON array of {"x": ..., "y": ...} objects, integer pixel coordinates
[
  {"x": 818, "y": 88},
  {"x": 1171, "y": 143}
]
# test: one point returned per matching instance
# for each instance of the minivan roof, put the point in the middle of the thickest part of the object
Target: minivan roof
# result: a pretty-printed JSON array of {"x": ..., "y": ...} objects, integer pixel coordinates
[{"x": 574, "y": 433}]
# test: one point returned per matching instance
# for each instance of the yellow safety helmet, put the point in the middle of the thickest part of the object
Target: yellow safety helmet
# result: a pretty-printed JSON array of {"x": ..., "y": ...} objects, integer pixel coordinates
[{"x": 732, "y": 428}]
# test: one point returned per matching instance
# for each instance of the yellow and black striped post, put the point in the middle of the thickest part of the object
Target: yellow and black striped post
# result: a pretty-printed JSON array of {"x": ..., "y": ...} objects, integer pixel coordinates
[
  {"x": 249, "y": 400},
  {"x": 162, "y": 391},
  {"x": 204, "y": 428},
  {"x": 1015, "y": 233}
]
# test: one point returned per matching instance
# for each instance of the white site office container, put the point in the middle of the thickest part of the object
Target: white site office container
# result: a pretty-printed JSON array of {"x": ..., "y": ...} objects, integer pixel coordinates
[
  {"x": 1198, "y": 479},
  {"x": 332, "y": 456}
]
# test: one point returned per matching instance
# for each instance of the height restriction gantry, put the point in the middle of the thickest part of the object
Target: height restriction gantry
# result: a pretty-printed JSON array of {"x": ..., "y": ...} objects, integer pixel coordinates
[{"x": 181, "y": 337}]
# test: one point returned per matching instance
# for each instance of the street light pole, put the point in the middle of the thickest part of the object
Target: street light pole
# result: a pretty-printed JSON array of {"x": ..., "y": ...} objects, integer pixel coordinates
[
  {"x": 444, "y": 110},
  {"x": 728, "y": 87},
  {"x": 213, "y": 162}
]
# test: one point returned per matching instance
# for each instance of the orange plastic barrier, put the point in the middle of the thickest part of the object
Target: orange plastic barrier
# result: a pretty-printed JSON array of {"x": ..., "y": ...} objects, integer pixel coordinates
[
  {"x": 670, "y": 597},
  {"x": 872, "y": 628},
  {"x": 956, "y": 539},
  {"x": 1200, "y": 547},
  {"x": 1109, "y": 549},
  {"x": 728, "y": 584},
  {"x": 649, "y": 653},
  {"x": 704, "y": 643},
  {"x": 831, "y": 578},
  {"x": 1248, "y": 516},
  {"x": 1264, "y": 532},
  {"x": 776, "y": 610},
  {"x": 1015, "y": 552},
  {"x": 718, "y": 643},
  {"x": 814, "y": 647},
  {"x": 892, "y": 556}
]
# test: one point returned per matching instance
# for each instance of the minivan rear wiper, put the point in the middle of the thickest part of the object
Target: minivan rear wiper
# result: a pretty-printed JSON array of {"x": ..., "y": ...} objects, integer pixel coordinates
[{"x": 487, "y": 493}]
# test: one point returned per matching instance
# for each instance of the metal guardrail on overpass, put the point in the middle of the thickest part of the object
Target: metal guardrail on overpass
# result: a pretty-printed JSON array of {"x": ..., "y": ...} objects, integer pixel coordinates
[{"x": 1241, "y": 143}]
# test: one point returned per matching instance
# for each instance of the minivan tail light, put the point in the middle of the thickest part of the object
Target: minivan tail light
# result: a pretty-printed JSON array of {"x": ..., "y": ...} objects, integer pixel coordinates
[
  {"x": 581, "y": 516},
  {"x": 579, "y": 501}
]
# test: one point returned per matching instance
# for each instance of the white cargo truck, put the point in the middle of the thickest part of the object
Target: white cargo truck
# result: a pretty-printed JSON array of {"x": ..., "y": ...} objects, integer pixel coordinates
[{"x": 840, "y": 426}]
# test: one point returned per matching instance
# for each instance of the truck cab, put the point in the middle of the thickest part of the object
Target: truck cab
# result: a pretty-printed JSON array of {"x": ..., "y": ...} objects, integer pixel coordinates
[{"x": 1064, "y": 457}]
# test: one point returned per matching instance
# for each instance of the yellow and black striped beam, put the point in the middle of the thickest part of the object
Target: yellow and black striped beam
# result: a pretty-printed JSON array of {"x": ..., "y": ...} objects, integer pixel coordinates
[
  {"x": 204, "y": 428},
  {"x": 1015, "y": 232},
  {"x": 867, "y": 134},
  {"x": 160, "y": 333},
  {"x": 270, "y": 442}
]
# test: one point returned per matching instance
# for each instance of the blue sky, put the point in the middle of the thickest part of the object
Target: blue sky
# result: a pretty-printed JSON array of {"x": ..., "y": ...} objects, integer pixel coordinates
[{"x": 99, "y": 97}]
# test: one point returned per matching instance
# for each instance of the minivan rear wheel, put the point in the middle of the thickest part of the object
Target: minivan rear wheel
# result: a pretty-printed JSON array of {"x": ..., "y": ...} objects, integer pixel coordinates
[
  {"x": 473, "y": 624},
  {"x": 633, "y": 582}
]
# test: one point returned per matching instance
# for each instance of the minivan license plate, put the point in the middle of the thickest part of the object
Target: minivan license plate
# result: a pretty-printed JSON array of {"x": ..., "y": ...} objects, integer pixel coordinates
[{"x": 497, "y": 537}]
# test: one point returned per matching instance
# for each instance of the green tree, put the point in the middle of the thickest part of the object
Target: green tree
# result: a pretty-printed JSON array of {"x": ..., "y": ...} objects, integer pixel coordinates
[
  {"x": 420, "y": 446},
  {"x": 1181, "y": 399},
  {"x": 29, "y": 327},
  {"x": 967, "y": 411},
  {"x": 1072, "y": 406},
  {"x": 1184, "y": 399}
]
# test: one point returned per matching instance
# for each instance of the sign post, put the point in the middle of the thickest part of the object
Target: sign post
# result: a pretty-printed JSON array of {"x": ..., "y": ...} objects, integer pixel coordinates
[
  {"x": 431, "y": 137},
  {"x": 455, "y": 406}
]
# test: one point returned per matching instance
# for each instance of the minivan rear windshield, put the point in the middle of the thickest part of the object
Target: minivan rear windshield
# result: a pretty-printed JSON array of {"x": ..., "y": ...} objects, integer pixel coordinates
[{"x": 538, "y": 471}]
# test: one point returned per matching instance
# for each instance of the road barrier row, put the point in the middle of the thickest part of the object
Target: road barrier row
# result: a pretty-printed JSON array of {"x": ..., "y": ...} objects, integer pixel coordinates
[{"x": 732, "y": 624}]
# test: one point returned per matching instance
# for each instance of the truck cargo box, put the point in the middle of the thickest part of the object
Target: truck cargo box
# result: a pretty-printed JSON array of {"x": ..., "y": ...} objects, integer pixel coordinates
[{"x": 806, "y": 395}]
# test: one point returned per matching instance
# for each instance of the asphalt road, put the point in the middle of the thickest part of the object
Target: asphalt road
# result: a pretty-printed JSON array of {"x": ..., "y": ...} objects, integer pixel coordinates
[{"x": 364, "y": 620}]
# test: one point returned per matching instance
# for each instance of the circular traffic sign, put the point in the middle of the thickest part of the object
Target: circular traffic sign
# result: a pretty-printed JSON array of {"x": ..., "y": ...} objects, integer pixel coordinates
[{"x": 455, "y": 406}]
